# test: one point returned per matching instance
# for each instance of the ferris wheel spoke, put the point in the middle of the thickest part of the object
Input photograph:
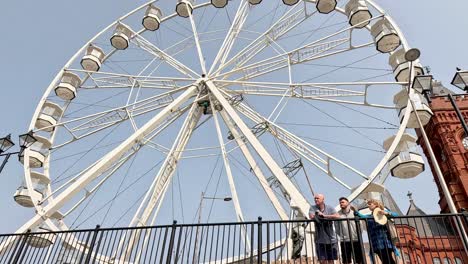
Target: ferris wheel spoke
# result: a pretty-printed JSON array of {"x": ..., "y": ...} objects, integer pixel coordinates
[
  {"x": 102, "y": 80},
  {"x": 88, "y": 125},
  {"x": 256, "y": 169},
  {"x": 107, "y": 174},
  {"x": 286, "y": 23},
  {"x": 232, "y": 186},
  {"x": 158, "y": 188},
  {"x": 196, "y": 37},
  {"x": 96, "y": 170},
  {"x": 289, "y": 59},
  {"x": 316, "y": 156},
  {"x": 233, "y": 33},
  {"x": 298, "y": 202},
  {"x": 162, "y": 55},
  {"x": 329, "y": 92}
]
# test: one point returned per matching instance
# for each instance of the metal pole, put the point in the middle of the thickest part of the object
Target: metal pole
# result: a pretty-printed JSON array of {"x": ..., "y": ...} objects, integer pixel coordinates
[
  {"x": 5, "y": 161},
  {"x": 459, "y": 114},
  {"x": 197, "y": 232},
  {"x": 440, "y": 177}
]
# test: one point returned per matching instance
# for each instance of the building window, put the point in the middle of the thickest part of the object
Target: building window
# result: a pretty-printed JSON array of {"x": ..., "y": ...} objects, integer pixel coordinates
[
  {"x": 447, "y": 261},
  {"x": 458, "y": 260},
  {"x": 406, "y": 258},
  {"x": 436, "y": 260}
]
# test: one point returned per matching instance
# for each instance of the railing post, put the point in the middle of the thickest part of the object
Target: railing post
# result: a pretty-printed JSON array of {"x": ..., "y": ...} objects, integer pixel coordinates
[
  {"x": 19, "y": 248},
  {"x": 91, "y": 246},
  {"x": 461, "y": 229},
  {"x": 171, "y": 242},
  {"x": 259, "y": 240},
  {"x": 357, "y": 221}
]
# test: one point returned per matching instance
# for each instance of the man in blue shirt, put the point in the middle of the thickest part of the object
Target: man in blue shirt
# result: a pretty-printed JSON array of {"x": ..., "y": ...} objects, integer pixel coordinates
[{"x": 326, "y": 241}]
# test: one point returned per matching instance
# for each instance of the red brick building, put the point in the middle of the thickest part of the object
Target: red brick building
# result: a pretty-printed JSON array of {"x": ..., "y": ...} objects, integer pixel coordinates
[
  {"x": 446, "y": 134},
  {"x": 429, "y": 239}
]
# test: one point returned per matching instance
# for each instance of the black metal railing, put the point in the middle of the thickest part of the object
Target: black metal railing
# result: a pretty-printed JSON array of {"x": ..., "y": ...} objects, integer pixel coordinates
[{"x": 406, "y": 239}]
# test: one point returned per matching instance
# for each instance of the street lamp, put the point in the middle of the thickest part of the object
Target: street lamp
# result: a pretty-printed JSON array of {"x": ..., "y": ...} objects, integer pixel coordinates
[
  {"x": 423, "y": 84},
  {"x": 460, "y": 80},
  {"x": 197, "y": 233},
  {"x": 25, "y": 141},
  {"x": 412, "y": 55}
]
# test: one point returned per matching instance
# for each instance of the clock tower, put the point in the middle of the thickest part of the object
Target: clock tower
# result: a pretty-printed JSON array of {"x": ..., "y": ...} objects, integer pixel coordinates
[{"x": 446, "y": 135}]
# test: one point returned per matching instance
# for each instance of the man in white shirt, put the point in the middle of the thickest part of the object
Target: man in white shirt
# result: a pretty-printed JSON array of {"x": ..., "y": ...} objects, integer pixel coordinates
[{"x": 349, "y": 244}]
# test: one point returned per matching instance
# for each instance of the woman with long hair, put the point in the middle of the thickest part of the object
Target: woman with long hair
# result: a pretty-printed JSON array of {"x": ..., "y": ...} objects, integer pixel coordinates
[{"x": 380, "y": 241}]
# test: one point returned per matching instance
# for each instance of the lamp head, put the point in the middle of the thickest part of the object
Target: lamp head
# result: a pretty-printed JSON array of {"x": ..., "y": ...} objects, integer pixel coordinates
[
  {"x": 26, "y": 140},
  {"x": 6, "y": 143},
  {"x": 460, "y": 80}
]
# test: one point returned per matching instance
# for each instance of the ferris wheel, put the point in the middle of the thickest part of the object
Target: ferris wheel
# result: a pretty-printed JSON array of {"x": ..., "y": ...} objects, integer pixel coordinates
[{"x": 267, "y": 102}]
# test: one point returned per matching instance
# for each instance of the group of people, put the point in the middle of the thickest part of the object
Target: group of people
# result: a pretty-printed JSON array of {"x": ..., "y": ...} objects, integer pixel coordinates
[{"x": 326, "y": 239}]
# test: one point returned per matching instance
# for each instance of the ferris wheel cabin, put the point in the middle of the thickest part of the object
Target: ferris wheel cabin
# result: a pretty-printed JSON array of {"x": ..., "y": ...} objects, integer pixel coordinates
[
  {"x": 121, "y": 38},
  {"x": 49, "y": 116},
  {"x": 326, "y": 6},
  {"x": 152, "y": 19},
  {"x": 422, "y": 109},
  {"x": 255, "y": 2},
  {"x": 405, "y": 162},
  {"x": 219, "y": 3},
  {"x": 26, "y": 198},
  {"x": 66, "y": 89},
  {"x": 38, "y": 240},
  {"x": 358, "y": 13},
  {"x": 37, "y": 152},
  {"x": 385, "y": 36},
  {"x": 184, "y": 8},
  {"x": 93, "y": 58}
]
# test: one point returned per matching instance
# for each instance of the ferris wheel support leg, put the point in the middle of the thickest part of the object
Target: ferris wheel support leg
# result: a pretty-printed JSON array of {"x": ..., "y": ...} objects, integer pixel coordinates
[
  {"x": 232, "y": 186},
  {"x": 255, "y": 168},
  {"x": 298, "y": 202},
  {"x": 159, "y": 186},
  {"x": 102, "y": 165}
]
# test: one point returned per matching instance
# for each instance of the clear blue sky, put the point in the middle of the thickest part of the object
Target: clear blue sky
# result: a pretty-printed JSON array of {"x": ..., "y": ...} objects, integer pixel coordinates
[{"x": 40, "y": 36}]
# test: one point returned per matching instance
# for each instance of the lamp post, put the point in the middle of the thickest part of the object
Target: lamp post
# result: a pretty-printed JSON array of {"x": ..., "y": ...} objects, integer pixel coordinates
[
  {"x": 25, "y": 141},
  {"x": 412, "y": 55},
  {"x": 423, "y": 83},
  {"x": 203, "y": 197}
]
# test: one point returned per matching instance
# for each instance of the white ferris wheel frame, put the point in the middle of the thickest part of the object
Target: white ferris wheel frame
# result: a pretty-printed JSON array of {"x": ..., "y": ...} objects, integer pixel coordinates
[{"x": 229, "y": 115}]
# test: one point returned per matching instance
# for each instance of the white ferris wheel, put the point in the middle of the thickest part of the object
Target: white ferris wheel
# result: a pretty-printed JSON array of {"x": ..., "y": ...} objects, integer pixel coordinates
[{"x": 266, "y": 102}]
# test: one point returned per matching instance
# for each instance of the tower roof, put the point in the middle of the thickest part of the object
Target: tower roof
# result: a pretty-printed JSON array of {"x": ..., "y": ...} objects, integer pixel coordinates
[
  {"x": 427, "y": 225},
  {"x": 439, "y": 90}
]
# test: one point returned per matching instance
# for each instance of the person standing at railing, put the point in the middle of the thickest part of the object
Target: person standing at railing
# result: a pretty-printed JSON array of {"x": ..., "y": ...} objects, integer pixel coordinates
[
  {"x": 380, "y": 241},
  {"x": 346, "y": 229},
  {"x": 326, "y": 242}
]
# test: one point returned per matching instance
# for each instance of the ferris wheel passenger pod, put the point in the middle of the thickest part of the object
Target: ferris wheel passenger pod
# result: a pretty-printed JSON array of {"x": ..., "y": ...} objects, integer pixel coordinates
[
  {"x": 385, "y": 36},
  {"x": 184, "y": 8},
  {"x": 121, "y": 37},
  {"x": 66, "y": 89},
  {"x": 152, "y": 19},
  {"x": 219, "y": 3},
  {"x": 93, "y": 58},
  {"x": 422, "y": 109},
  {"x": 37, "y": 152},
  {"x": 326, "y": 6},
  {"x": 358, "y": 13},
  {"x": 50, "y": 113}
]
